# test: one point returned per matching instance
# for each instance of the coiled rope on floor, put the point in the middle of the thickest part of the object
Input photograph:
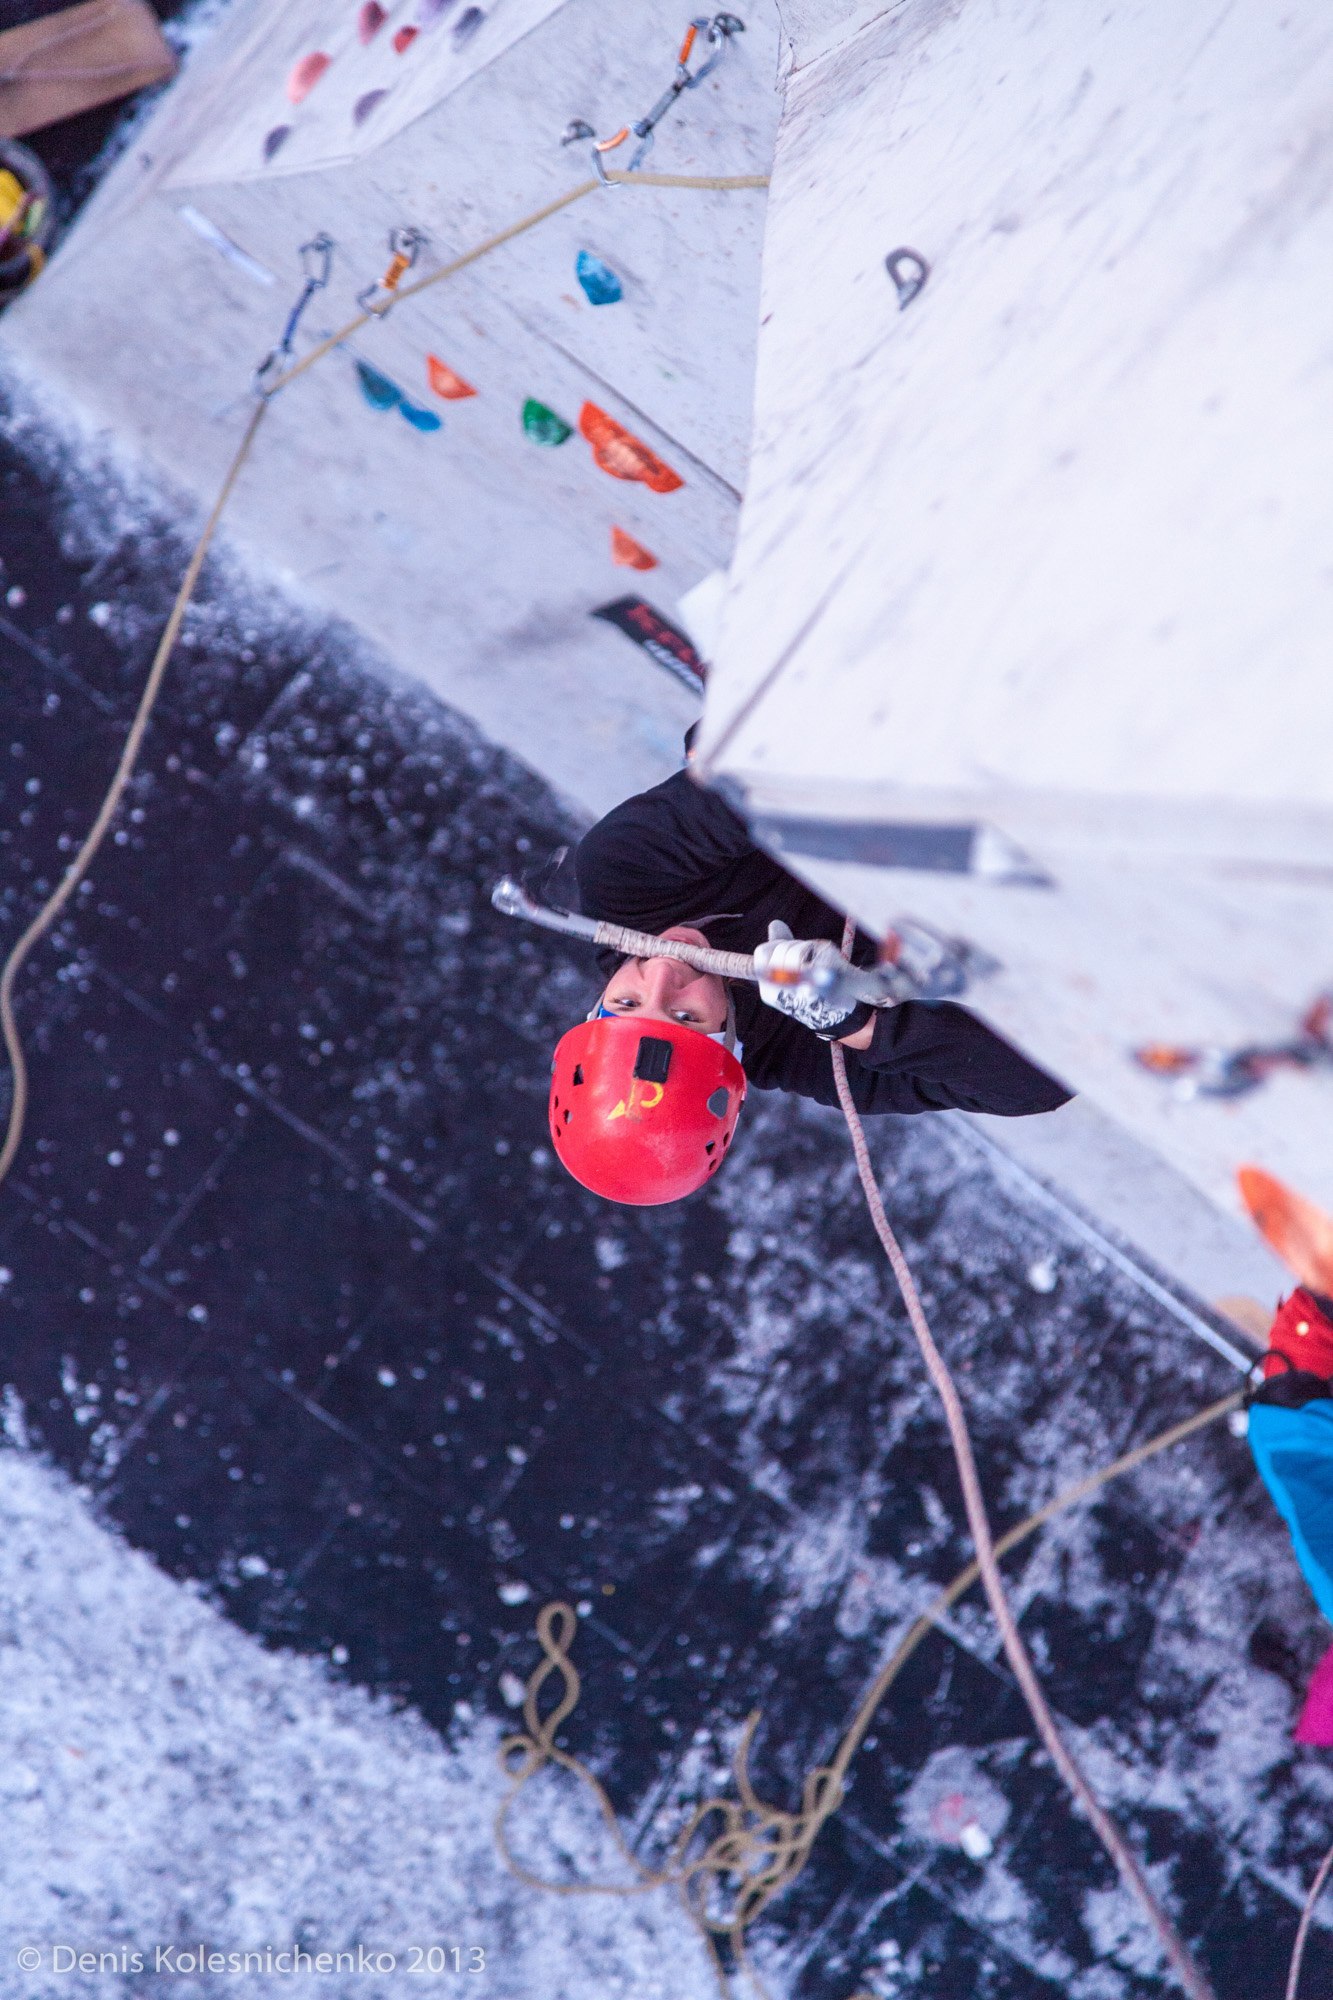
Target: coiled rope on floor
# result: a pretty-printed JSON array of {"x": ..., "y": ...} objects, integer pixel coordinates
[
  {"x": 759, "y": 1849},
  {"x": 129, "y": 756}
]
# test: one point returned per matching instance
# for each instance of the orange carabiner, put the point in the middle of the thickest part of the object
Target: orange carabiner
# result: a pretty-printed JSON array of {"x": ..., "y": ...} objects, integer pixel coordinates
[
  {"x": 391, "y": 277},
  {"x": 687, "y": 46},
  {"x": 609, "y": 145}
]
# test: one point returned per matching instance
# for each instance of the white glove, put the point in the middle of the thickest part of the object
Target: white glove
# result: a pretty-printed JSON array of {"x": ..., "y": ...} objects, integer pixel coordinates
[{"x": 781, "y": 960}]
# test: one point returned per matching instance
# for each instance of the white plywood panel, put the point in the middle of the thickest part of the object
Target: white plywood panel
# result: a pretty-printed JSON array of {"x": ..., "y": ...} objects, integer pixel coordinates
[
  {"x": 1062, "y": 522},
  {"x": 1048, "y": 549}
]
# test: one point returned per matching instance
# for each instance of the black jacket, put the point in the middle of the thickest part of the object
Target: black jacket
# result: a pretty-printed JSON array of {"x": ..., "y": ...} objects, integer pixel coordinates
[{"x": 679, "y": 855}]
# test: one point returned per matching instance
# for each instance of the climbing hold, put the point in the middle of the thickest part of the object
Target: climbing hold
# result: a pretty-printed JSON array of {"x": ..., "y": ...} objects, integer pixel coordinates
[
  {"x": 909, "y": 272},
  {"x": 306, "y": 75},
  {"x": 364, "y": 105},
  {"x": 543, "y": 426},
  {"x": 600, "y": 284},
  {"x": 629, "y": 553},
  {"x": 404, "y": 39},
  {"x": 430, "y": 11},
  {"x": 623, "y": 455},
  {"x": 377, "y": 389},
  {"x": 382, "y": 394},
  {"x": 445, "y": 383},
  {"x": 467, "y": 24},
  {"x": 370, "y": 20},
  {"x": 275, "y": 140}
]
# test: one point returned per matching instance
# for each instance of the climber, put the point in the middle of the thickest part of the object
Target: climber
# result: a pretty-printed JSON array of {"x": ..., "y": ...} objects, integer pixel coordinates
[
  {"x": 646, "y": 1092},
  {"x": 1291, "y": 1414}
]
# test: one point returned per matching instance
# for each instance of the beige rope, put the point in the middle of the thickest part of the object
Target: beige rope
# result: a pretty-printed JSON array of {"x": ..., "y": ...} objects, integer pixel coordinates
[
  {"x": 759, "y": 1848},
  {"x": 484, "y": 249},
  {"x": 1303, "y": 1929},
  {"x": 124, "y": 771}
]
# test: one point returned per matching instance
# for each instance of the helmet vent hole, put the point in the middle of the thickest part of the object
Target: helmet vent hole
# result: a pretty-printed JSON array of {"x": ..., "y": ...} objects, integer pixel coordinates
[
  {"x": 710, "y": 1146},
  {"x": 726, "y": 1140},
  {"x": 578, "y": 1072},
  {"x": 566, "y": 1119},
  {"x": 719, "y": 1101}
]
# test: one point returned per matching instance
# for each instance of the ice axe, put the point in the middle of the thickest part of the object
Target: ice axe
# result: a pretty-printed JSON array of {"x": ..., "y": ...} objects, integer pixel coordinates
[{"x": 828, "y": 972}]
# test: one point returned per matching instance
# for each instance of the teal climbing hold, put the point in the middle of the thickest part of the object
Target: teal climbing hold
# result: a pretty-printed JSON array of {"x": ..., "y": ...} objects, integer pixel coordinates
[
  {"x": 382, "y": 394},
  {"x": 378, "y": 390},
  {"x": 600, "y": 284},
  {"x": 543, "y": 426}
]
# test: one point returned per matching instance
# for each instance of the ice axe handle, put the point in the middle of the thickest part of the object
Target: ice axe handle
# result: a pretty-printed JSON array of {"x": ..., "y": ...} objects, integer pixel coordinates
[{"x": 513, "y": 901}]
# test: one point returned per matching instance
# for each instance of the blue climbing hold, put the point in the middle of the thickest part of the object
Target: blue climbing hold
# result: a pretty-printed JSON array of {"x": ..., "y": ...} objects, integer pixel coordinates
[
  {"x": 378, "y": 390},
  {"x": 420, "y": 420},
  {"x": 600, "y": 284}
]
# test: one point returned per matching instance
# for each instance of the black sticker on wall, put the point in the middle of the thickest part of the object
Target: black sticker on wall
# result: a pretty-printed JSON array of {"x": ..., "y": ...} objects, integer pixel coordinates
[{"x": 658, "y": 637}]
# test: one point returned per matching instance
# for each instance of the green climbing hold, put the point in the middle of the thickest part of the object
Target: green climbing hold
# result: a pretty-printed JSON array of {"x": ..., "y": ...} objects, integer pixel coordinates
[{"x": 543, "y": 426}]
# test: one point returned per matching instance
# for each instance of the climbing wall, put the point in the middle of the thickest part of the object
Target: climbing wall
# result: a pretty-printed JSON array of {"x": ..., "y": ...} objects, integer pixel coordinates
[
  {"x": 508, "y": 483},
  {"x": 1027, "y": 629}
]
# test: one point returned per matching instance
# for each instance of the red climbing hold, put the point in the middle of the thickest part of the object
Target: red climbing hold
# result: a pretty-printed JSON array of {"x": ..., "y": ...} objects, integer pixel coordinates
[
  {"x": 445, "y": 383},
  {"x": 370, "y": 20},
  {"x": 404, "y": 39},
  {"x": 629, "y": 553},
  {"x": 306, "y": 75},
  {"x": 623, "y": 455}
]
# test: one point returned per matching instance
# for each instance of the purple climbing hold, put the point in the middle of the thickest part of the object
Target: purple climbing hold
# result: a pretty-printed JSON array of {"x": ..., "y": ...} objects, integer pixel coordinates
[
  {"x": 467, "y": 24},
  {"x": 363, "y": 107},
  {"x": 431, "y": 11},
  {"x": 275, "y": 140}
]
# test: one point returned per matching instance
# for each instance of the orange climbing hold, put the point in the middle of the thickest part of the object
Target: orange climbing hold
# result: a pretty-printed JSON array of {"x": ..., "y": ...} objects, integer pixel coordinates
[
  {"x": 629, "y": 553},
  {"x": 445, "y": 383},
  {"x": 307, "y": 74},
  {"x": 623, "y": 455}
]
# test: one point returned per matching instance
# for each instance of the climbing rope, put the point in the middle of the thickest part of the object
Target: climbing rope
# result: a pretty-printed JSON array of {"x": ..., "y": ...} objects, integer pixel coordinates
[
  {"x": 1303, "y": 1928},
  {"x": 1191, "y": 1979},
  {"x": 760, "y": 1849},
  {"x": 83, "y": 860},
  {"x": 502, "y": 236},
  {"x": 315, "y": 276}
]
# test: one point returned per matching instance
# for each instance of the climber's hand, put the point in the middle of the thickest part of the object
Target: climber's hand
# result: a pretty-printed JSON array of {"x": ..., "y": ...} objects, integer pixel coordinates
[{"x": 782, "y": 964}]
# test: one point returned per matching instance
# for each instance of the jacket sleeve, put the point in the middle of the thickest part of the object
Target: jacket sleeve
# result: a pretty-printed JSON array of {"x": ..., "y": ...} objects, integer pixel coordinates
[
  {"x": 938, "y": 1058},
  {"x": 945, "y": 1059},
  {"x": 657, "y": 852}
]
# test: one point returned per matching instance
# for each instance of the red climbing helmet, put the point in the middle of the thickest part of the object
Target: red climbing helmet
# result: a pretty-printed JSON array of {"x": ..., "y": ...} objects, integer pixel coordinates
[{"x": 643, "y": 1111}]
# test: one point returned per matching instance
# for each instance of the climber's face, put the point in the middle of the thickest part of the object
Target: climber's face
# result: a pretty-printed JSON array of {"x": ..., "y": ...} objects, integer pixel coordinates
[{"x": 666, "y": 989}]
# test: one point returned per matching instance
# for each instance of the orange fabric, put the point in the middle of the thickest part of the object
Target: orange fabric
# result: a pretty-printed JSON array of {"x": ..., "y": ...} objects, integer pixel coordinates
[
  {"x": 629, "y": 553},
  {"x": 445, "y": 383},
  {"x": 1300, "y": 1232},
  {"x": 623, "y": 455}
]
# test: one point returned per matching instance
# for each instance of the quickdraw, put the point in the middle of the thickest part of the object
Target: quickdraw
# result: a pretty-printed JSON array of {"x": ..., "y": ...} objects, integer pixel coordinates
[
  {"x": 405, "y": 246},
  {"x": 718, "y": 32},
  {"x": 1215, "y": 1072},
  {"x": 316, "y": 264}
]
